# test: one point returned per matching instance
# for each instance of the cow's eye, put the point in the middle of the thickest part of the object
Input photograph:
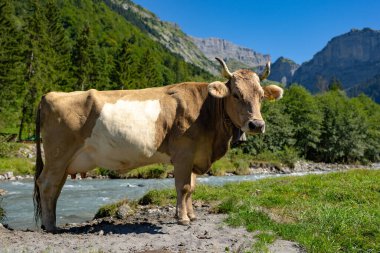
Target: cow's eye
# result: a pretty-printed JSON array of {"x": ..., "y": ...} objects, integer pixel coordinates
[{"x": 235, "y": 95}]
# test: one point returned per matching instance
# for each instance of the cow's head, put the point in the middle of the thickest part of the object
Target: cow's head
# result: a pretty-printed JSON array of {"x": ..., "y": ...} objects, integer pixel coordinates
[{"x": 243, "y": 95}]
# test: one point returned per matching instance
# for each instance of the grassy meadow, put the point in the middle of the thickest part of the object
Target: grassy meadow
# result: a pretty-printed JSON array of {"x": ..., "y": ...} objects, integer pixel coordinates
[{"x": 335, "y": 212}]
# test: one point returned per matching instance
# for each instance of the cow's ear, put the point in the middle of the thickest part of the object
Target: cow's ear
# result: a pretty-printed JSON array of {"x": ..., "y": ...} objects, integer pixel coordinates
[
  {"x": 272, "y": 92},
  {"x": 218, "y": 89}
]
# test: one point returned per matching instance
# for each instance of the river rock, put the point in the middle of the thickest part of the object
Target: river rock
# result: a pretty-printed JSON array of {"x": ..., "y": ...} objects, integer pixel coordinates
[
  {"x": 8, "y": 175},
  {"x": 2, "y": 177},
  {"x": 124, "y": 211},
  {"x": 2, "y": 192}
]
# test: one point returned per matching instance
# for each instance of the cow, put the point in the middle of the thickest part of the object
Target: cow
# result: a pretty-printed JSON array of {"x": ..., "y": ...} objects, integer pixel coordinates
[{"x": 189, "y": 125}]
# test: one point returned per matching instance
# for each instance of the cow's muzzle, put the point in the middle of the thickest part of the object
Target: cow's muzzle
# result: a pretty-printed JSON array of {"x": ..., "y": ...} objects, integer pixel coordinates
[{"x": 256, "y": 126}]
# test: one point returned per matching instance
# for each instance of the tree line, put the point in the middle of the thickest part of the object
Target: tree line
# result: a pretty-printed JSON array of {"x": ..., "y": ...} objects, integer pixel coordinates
[
  {"x": 48, "y": 45},
  {"x": 327, "y": 127}
]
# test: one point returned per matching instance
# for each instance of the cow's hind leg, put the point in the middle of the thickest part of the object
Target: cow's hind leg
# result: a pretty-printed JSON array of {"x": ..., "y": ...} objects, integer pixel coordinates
[{"x": 50, "y": 184}]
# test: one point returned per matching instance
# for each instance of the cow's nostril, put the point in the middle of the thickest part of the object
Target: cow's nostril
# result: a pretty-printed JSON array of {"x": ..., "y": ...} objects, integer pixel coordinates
[
  {"x": 252, "y": 126},
  {"x": 256, "y": 126}
]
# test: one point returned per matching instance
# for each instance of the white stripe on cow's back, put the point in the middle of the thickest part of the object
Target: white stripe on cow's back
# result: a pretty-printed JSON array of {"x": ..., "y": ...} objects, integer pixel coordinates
[{"x": 125, "y": 131}]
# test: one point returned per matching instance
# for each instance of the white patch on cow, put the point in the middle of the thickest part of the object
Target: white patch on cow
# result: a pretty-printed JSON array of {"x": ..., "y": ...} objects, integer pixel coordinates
[
  {"x": 130, "y": 122},
  {"x": 124, "y": 135}
]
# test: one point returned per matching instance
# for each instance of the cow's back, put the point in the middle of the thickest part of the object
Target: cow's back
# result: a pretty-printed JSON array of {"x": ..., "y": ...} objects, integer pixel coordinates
[{"x": 113, "y": 129}]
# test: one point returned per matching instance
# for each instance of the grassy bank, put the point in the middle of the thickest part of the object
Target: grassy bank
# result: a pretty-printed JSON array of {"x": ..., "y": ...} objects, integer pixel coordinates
[
  {"x": 336, "y": 212},
  {"x": 13, "y": 159}
]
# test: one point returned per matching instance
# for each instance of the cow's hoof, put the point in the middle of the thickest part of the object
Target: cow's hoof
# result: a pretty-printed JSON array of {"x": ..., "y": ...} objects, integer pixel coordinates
[
  {"x": 192, "y": 217},
  {"x": 184, "y": 222},
  {"x": 52, "y": 230}
]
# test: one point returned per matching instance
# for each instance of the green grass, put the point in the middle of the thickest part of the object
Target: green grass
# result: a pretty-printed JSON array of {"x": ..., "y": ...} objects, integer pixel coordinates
[
  {"x": 19, "y": 166},
  {"x": 336, "y": 212},
  {"x": 151, "y": 171},
  {"x": 110, "y": 209}
]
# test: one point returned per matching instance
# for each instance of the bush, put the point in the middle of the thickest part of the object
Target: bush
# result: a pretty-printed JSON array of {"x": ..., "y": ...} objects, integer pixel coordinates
[
  {"x": 20, "y": 166},
  {"x": 8, "y": 149}
]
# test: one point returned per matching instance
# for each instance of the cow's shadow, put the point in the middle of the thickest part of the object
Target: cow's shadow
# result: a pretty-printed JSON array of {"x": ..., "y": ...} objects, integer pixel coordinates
[{"x": 106, "y": 227}]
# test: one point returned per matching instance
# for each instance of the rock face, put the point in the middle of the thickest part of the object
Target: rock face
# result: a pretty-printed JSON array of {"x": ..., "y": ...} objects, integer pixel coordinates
[
  {"x": 352, "y": 58},
  {"x": 200, "y": 52},
  {"x": 282, "y": 70},
  {"x": 234, "y": 55},
  {"x": 167, "y": 33}
]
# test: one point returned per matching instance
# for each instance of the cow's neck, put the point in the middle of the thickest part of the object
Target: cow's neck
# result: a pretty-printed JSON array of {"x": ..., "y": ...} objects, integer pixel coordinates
[{"x": 223, "y": 128}]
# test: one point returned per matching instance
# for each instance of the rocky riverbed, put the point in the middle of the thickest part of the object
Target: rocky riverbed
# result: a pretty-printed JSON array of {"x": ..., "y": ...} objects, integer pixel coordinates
[
  {"x": 149, "y": 229},
  {"x": 255, "y": 168}
]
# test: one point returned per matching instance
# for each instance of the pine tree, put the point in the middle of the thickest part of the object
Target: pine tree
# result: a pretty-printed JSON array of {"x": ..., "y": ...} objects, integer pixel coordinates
[
  {"x": 11, "y": 64},
  {"x": 59, "y": 48},
  {"x": 126, "y": 73},
  {"x": 83, "y": 52},
  {"x": 37, "y": 70},
  {"x": 149, "y": 71}
]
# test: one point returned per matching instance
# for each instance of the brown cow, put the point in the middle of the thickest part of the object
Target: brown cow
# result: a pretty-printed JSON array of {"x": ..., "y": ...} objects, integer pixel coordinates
[{"x": 188, "y": 124}]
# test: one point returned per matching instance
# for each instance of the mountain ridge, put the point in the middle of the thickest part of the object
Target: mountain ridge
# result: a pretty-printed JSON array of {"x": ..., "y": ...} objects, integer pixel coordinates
[
  {"x": 242, "y": 57},
  {"x": 352, "y": 58}
]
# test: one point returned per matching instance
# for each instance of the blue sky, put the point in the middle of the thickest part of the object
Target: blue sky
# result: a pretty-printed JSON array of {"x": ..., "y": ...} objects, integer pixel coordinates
[{"x": 296, "y": 29}]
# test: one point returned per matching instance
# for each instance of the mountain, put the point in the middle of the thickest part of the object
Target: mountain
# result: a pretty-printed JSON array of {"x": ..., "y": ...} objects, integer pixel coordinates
[
  {"x": 167, "y": 33},
  {"x": 235, "y": 56},
  {"x": 282, "y": 70},
  {"x": 352, "y": 58},
  {"x": 198, "y": 51}
]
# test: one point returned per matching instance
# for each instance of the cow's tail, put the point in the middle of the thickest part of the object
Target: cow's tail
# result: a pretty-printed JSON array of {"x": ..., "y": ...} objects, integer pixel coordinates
[{"x": 39, "y": 167}]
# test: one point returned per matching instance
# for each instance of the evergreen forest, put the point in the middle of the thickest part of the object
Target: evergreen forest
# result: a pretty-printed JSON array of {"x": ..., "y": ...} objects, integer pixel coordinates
[{"x": 68, "y": 45}]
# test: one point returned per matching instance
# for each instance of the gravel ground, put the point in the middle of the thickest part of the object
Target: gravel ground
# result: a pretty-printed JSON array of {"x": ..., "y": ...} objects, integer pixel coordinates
[{"x": 150, "y": 229}]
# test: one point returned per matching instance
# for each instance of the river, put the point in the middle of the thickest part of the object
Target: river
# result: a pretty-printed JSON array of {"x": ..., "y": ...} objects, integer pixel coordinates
[{"x": 80, "y": 199}]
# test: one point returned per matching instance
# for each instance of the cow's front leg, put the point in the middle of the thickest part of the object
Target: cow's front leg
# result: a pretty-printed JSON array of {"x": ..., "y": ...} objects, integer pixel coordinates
[
  {"x": 182, "y": 174},
  {"x": 189, "y": 202}
]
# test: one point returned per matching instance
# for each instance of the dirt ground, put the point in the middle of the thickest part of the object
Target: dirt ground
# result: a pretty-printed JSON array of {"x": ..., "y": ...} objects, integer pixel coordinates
[{"x": 150, "y": 229}]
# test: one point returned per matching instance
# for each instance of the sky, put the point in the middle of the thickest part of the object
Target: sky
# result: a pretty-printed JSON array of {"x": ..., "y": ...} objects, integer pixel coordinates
[{"x": 296, "y": 29}]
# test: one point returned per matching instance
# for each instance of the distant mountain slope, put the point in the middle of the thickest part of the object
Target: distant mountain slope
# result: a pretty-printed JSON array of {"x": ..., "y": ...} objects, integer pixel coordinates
[
  {"x": 352, "y": 58},
  {"x": 282, "y": 70},
  {"x": 167, "y": 33},
  {"x": 235, "y": 56}
]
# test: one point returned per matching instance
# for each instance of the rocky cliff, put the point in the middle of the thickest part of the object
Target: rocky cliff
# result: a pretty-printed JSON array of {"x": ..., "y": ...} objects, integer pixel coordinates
[
  {"x": 352, "y": 58},
  {"x": 167, "y": 33},
  {"x": 235, "y": 56},
  {"x": 200, "y": 52},
  {"x": 283, "y": 70}
]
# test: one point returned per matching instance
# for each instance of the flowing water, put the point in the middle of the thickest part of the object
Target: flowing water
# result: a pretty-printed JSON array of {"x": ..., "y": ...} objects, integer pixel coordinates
[{"x": 80, "y": 199}]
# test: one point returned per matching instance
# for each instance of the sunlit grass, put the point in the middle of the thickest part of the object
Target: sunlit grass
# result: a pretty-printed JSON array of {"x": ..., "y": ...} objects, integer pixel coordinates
[{"x": 324, "y": 213}]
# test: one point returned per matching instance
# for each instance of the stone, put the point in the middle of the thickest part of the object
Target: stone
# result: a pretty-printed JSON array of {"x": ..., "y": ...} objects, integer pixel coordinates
[
  {"x": 2, "y": 192},
  {"x": 124, "y": 211},
  {"x": 2, "y": 177},
  {"x": 9, "y": 174}
]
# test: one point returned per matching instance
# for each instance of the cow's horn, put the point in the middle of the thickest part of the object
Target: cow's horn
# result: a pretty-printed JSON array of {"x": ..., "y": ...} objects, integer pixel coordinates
[
  {"x": 266, "y": 72},
  {"x": 225, "y": 72}
]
